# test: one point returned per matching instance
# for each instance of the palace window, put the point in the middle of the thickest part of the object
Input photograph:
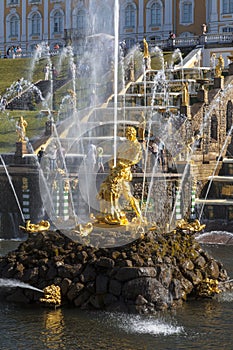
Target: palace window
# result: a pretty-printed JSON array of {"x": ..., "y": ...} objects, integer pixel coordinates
[
  {"x": 186, "y": 12},
  {"x": 34, "y": 1},
  {"x": 156, "y": 14},
  {"x": 14, "y": 26},
  {"x": 227, "y": 29},
  {"x": 13, "y": 2},
  {"x": 129, "y": 16},
  {"x": 36, "y": 19},
  {"x": 81, "y": 20},
  {"x": 227, "y": 6},
  {"x": 130, "y": 42},
  {"x": 58, "y": 22}
]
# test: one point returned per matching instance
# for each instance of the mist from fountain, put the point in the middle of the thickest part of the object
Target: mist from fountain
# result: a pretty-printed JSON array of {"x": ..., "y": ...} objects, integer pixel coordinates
[
  {"x": 192, "y": 148},
  {"x": 41, "y": 50},
  {"x": 158, "y": 116},
  {"x": 93, "y": 59},
  {"x": 229, "y": 134},
  {"x": 157, "y": 53},
  {"x": 162, "y": 82},
  {"x": 123, "y": 79},
  {"x": 84, "y": 123},
  {"x": 177, "y": 57}
]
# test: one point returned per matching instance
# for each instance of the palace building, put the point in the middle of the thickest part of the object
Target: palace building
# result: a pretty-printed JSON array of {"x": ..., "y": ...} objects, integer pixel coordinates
[{"x": 29, "y": 22}]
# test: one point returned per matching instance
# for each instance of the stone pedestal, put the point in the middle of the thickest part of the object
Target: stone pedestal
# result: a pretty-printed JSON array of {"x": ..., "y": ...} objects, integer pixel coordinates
[
  {"x": 203, "y": 39},
  {"x": 230, "y": 69},
  {"x": 21, "y": 148},
  {"x": 218, "y": 82},
  {"x": 186, "y": 110},
  {"x": 202, "y": 96},
  {"x": 48, "y": 128}
]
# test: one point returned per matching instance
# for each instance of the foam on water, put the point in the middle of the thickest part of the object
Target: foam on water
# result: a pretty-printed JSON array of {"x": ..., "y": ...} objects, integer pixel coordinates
[
  {"x": 226, "y": 297},
  {"x": 153, "y": 327},
  {"x": 146, "y": 325}
]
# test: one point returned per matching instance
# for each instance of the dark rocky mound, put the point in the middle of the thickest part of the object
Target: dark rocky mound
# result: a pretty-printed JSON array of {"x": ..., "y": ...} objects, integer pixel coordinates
[{"x": 153, "y": 273}]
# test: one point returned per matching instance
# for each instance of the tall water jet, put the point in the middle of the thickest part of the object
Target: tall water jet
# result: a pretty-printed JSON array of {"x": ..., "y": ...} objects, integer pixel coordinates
[
  {"x": 116, "y": 52},
  {"x": 13, "y": 188}
]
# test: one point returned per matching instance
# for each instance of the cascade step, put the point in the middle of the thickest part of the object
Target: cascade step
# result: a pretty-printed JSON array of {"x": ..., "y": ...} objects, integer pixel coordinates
[
  {"x": 221, "y": 178},
  {"x": 228, "y": 160},
  {"x": 214, "y": 201}
]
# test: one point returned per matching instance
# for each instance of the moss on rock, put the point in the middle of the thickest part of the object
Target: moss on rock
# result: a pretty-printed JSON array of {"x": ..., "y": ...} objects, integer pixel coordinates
[{"x": 157, "y": 272}]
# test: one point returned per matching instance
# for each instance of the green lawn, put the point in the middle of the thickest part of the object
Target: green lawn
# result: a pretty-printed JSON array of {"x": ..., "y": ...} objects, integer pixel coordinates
[
  {"x": 8, "y": 120},
  {"x": 13, "y": 69},
  {"x": 10, "y": 71}
]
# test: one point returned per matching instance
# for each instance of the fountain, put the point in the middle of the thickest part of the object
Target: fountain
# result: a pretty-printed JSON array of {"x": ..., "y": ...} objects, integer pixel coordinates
[
  {"x": 157, "y": 105},
  {"x": 159, "y": 99},
  {"x": 116, "y": 238}
]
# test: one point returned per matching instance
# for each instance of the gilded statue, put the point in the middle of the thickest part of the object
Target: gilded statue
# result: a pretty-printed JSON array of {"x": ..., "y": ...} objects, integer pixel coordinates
[
  {"x": 219, "y": 67},
  {"x": 52, "y": 295},
  {"x": 117, "y": 183},
  {"x": 146, "y": 49},
  {"x": 83, "y": 230},
  {"x": 185, "y": 95},
  {"x": 142, "y": 126},
  {"x": 194, "y": 226},
  {"x": 146, "y": 54},
  {"x": 43, "y": 225},
  {"x": 21, "y": 126}
]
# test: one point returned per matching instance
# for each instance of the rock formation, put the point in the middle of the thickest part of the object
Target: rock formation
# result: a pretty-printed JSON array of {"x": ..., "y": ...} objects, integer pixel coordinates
[{"x": 153, "y": 273}]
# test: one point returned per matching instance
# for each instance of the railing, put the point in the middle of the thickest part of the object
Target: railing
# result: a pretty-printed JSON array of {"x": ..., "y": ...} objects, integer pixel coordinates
[
  {"x": 29, "y": 54},
  {"x": 220, "y": 38},
  {"x": 179, "y": 42},
  {"x": 192, "y": 41}
]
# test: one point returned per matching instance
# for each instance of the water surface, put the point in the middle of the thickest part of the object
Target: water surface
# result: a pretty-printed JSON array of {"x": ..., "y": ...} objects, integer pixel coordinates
[{"x": 199, "y": 324}]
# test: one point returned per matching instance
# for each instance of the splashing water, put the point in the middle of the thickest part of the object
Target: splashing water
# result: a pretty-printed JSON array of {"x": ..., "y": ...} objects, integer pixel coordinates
[
  {"x": 145, "y": 325},
  {"x": 215, "y": 237},
  {"x": 153, "y": 327}
]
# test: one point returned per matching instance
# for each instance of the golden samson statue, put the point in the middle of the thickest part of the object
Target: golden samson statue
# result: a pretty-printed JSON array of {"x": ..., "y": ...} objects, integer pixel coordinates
[{"x": 117, "y": 183}]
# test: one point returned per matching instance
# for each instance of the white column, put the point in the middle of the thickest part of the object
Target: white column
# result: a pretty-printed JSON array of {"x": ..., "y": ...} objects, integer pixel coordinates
[
  {"x": 2, "y": 30},
  {"x": 168, "y": 10},
  {"x": 178, "y": 204},
  {"x": 24, "y": 25},
  {"x": 141, "y": 19},
  {"x": 213, "y": 16},
  {"x": 46, "y": 21},
  {"x": 68, "y": 22}
]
